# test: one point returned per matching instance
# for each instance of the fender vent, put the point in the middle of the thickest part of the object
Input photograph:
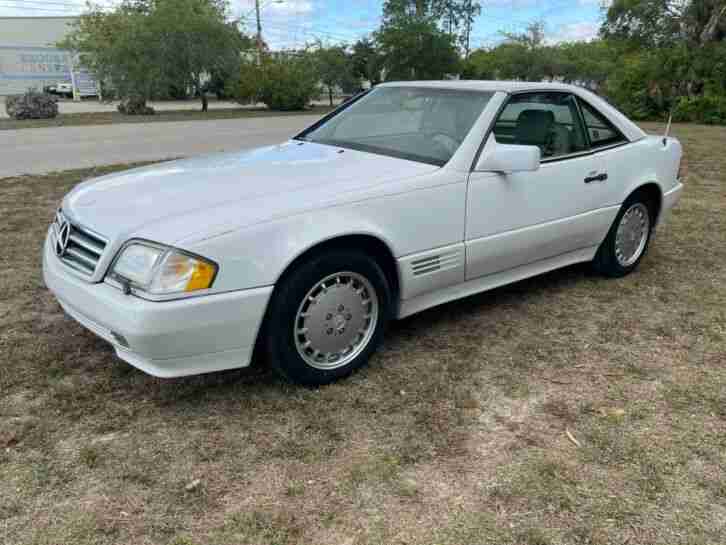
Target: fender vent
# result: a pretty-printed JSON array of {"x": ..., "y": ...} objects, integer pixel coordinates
[{"x": 435, "y": 263}]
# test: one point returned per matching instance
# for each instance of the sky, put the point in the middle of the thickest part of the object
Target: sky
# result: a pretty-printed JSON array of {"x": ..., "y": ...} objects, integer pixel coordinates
[{"x": 292, "y": 23}]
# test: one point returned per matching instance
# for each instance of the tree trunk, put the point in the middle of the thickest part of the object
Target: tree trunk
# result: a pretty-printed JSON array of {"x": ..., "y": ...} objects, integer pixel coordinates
[
  {"x": 202, "y": 95},
  {"x": 330, "y": 95}
]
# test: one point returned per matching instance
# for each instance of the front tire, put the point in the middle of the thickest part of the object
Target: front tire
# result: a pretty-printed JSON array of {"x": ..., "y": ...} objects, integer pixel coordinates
[
  {"x": 326, "y": 317},
  {"x": 627, "y": 241}
]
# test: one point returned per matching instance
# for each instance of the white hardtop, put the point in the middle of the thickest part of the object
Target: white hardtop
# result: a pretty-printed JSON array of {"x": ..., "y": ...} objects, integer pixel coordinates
[
  {"x": 631, "y": 131},
  {"x": 487, "y": 85}
]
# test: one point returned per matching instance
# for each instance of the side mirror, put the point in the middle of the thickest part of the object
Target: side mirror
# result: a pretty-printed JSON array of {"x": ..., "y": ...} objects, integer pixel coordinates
[{"x": 508, "y": 158}]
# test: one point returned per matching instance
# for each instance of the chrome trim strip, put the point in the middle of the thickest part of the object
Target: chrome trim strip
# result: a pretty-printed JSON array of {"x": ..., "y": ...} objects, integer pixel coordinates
[
  {"x": 87, "y": 245},
  {"x": 85, "y": 273},
  {"x": 79, "y": 255}
]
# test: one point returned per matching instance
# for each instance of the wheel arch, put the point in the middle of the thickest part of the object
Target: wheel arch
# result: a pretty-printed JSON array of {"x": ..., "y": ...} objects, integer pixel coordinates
[
  {"x": 654, "y": 194},
  {"x": 371, "y": 244}
]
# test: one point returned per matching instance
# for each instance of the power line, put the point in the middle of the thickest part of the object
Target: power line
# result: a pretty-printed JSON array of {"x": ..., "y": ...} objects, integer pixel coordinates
[{"x": 307, "y": 29}]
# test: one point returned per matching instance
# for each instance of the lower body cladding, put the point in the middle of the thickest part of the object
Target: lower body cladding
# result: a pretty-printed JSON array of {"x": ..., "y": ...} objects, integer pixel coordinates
[{"x": 164, "y": 339}]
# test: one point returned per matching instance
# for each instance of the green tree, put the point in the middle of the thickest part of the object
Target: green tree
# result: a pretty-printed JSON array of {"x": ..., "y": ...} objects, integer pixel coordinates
[
  {"x": 480, "y": 65},
  {"x": 335, "y": 69},
  {"x": 197, "y": 41},
  {"x": 395, "y": 9},
  {"x": 653, "y": 57},
  {"x": 523, "y": 56},
  {"x": 585, "y": 63},
  {"x": 455, "y": 17},
  {"x": 119, "y": 49},
  {"x": 470, "y": 10},
  {"x": 532, "y": 38},
  {"x": 659, "y": 23},
  {"x": 527, "y": 56},
  {"x": 412, "y": 44},
  {"x": 683, "y": 39},
  {"x": 283, "y": 82},
  {"x": 144, "y": 46},
  {"x": 367, "y": 61},
  {"x": 644, "y": 23}
]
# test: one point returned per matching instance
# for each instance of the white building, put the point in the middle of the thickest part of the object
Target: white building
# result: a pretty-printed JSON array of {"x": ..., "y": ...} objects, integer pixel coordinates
[{"x": 29, "y": 58}]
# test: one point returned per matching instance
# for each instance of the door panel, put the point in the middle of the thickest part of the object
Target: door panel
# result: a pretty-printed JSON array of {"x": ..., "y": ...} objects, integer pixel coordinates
[
  {"x": 519, "y": 218},
  {"x": 523, "y": 217},
  {"x": 512, "y": 249}
]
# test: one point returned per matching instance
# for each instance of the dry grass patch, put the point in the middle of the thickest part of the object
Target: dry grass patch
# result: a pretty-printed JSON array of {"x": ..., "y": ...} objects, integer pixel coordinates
[{"x": 456, "y": 433}]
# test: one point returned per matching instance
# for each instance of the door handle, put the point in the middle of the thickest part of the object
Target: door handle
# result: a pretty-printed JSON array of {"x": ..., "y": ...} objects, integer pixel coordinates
[{"x": 599, "y": 178}]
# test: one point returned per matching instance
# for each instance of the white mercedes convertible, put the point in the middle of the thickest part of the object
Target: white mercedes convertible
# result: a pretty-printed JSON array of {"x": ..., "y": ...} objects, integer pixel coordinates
[{"x": 406, "y": 197}]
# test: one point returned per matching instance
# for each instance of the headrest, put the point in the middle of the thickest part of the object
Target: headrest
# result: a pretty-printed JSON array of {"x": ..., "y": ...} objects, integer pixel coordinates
[{"x": 533, "y": 126}]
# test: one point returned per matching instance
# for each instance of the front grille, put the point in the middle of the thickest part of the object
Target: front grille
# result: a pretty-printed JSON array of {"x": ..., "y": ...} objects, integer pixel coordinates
[{"x": 83, "y": 249}]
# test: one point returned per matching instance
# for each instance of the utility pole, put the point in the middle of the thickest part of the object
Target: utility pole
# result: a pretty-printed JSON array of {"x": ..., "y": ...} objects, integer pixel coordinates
[
  {"x": 259, "y": 32},
  {"x": 470, "y": 11},
  {"x": 467, "y": 28},
  {"x": 260, "y": 43}
]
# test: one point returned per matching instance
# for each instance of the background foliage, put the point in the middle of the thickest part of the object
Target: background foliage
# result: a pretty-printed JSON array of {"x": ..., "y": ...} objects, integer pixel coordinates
[
  {"x": 281, "y": 82},
  {"x": 651, "y": 58},
  {"x": 149, "y": 49}
]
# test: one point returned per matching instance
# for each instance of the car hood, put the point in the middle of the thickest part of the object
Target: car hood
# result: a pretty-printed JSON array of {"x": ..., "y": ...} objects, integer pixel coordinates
[{"x": 204, "y": 196}]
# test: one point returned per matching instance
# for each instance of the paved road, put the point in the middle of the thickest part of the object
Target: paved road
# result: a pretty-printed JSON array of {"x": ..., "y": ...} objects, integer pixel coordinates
[
  {"x": 66, "y": 106},
  {"x": 37, "y": 151}
]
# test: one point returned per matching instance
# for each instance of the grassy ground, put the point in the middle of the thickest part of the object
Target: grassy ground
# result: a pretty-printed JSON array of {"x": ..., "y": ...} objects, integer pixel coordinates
[
  {"x": 112, "y": 118},
  {"x": 566, "y": 409}
]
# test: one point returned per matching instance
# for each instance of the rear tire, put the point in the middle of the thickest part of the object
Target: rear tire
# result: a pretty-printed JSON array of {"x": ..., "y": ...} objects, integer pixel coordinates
[
  {"x": 627, "y": 241},
  {"x": 326, "y": 317}
]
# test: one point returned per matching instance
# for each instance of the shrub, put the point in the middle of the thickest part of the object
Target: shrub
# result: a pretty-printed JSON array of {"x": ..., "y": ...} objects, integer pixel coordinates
[
  {"x": 707, "y": 109},
  {"x": 135, "y": 106},
  {"x": 31, "y": 105},
  {"x": 282, "y": 83}
]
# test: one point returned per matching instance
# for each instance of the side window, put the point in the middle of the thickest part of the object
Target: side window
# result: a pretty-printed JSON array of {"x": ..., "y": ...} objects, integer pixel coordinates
[
  {"x": 547, "y": 120},
  {"x": 600, "y": 130}
]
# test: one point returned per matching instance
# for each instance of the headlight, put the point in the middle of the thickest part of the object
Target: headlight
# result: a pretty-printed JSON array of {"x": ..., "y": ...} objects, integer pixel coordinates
[{"x": 160, "y": 270}]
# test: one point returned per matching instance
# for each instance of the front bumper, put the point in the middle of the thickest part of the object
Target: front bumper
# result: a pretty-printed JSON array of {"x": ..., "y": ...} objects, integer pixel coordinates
[{"x": 164, "y": 339}]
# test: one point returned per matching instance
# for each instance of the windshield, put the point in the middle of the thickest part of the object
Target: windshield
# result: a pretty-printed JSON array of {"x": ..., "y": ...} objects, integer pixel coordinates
[{"x": 416, "y": 123}]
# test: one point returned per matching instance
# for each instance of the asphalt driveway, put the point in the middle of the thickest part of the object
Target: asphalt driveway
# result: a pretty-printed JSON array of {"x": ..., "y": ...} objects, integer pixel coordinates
[{"x": 37, "y": 151}]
